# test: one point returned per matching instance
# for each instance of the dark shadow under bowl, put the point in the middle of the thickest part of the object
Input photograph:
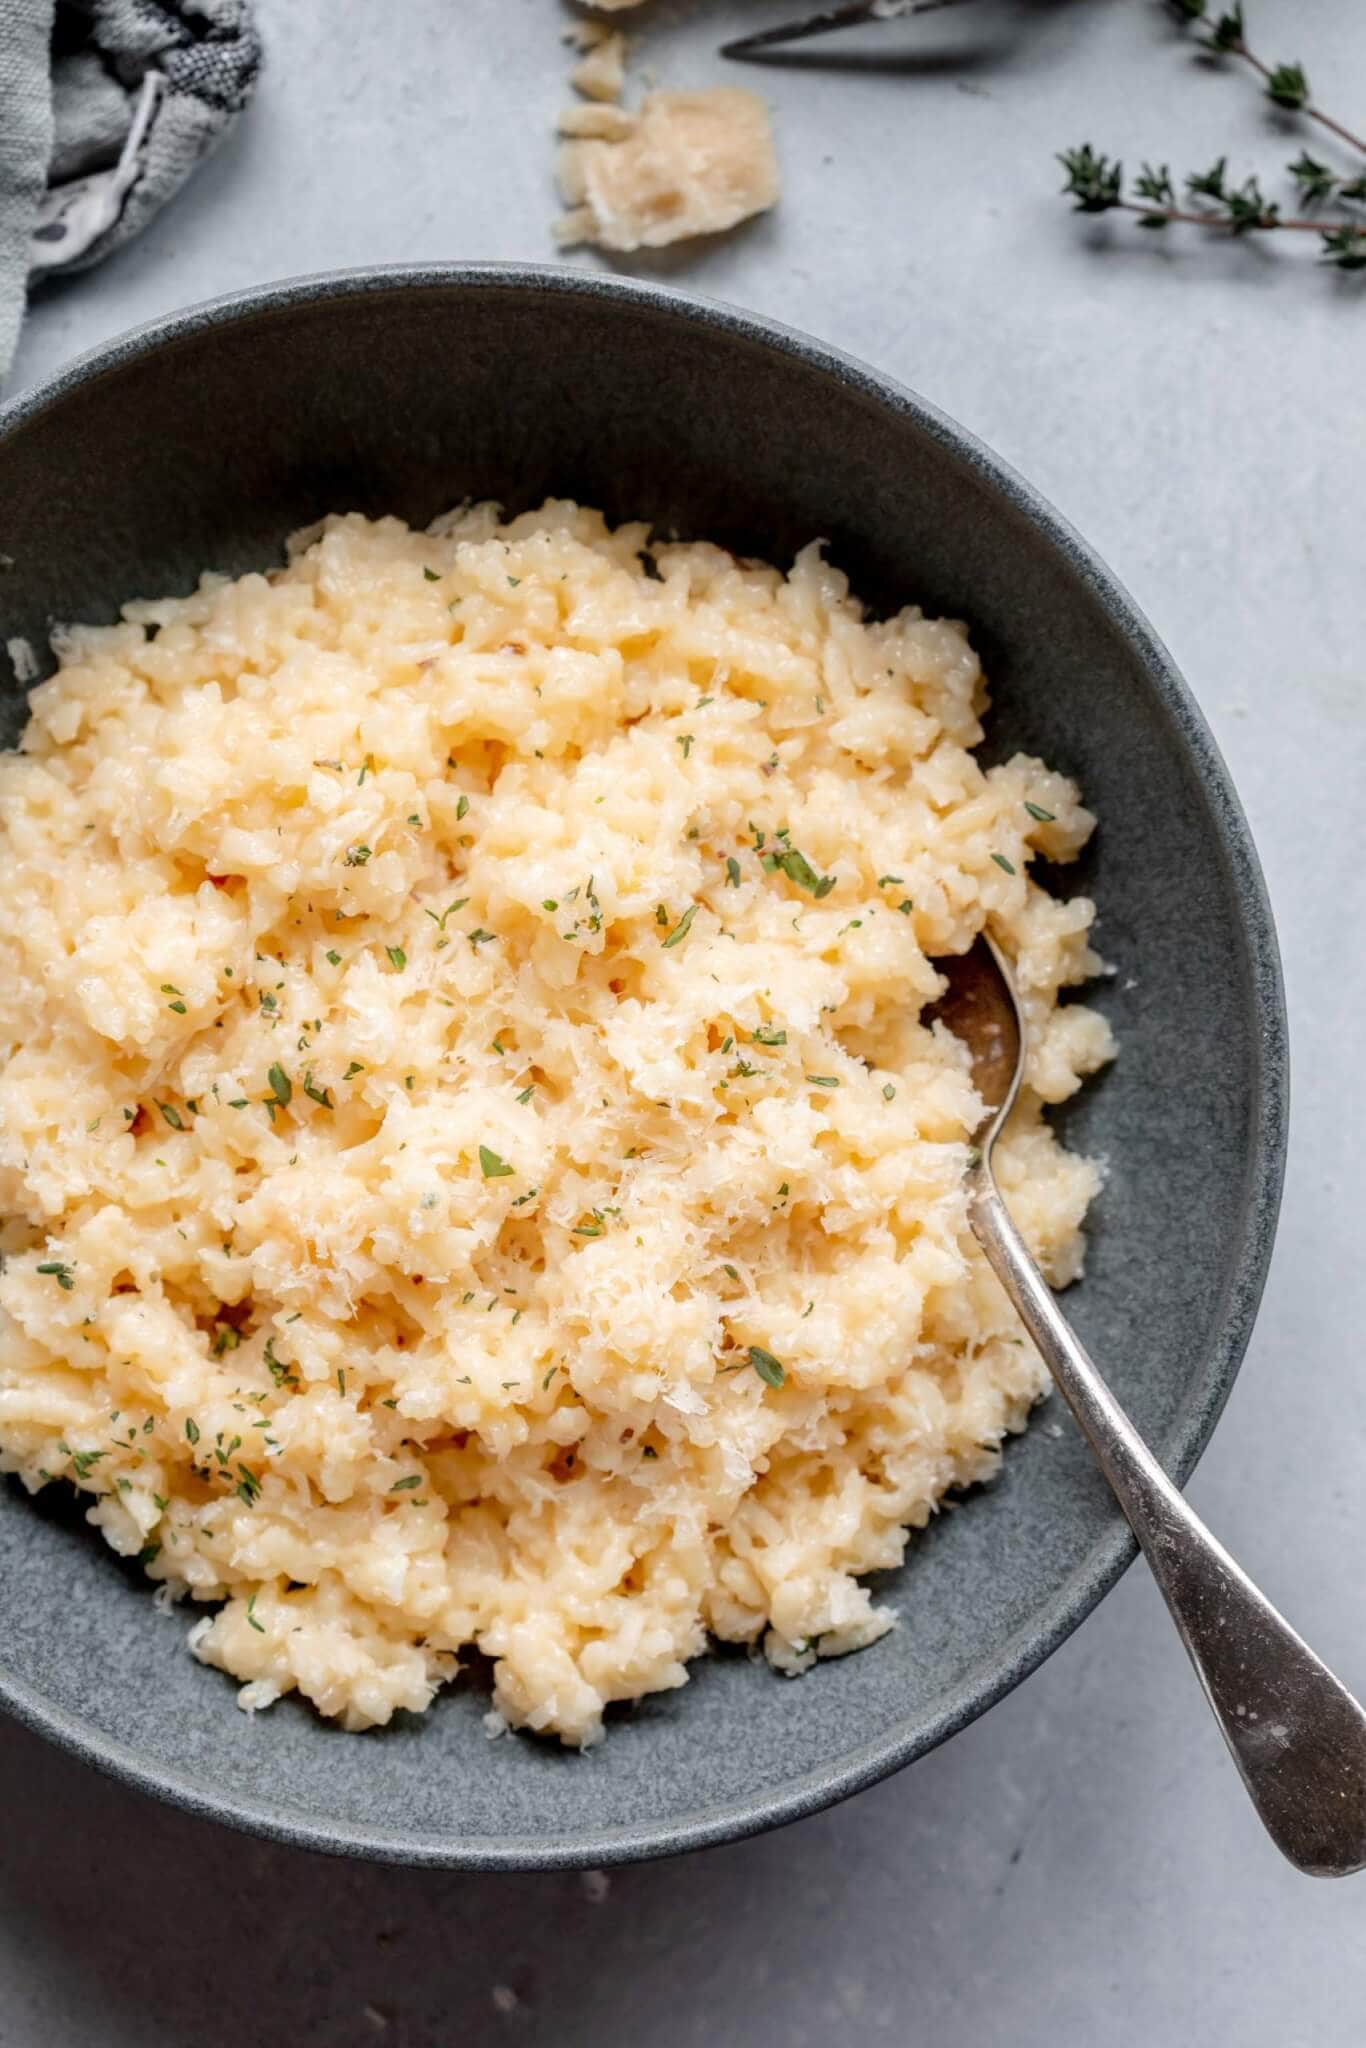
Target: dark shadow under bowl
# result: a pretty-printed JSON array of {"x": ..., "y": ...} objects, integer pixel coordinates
[{"x": 200, "y": 442}]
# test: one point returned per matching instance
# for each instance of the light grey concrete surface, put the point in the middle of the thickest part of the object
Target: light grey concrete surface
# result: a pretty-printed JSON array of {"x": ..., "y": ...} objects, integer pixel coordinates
[{"x": 1079, "y": 1867}]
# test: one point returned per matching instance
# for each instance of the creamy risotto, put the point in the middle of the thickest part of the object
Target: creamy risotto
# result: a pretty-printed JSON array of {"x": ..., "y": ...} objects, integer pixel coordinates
[{"x": 474, "y": 1170}]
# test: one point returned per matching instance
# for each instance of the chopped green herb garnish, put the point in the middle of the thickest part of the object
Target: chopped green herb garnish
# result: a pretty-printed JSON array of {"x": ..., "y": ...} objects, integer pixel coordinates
[
  {"x": 491, "y": 1166},
  {"x": 514, "y": 581},
  {"x": 367, "y": 768},
  {"x": 549, "y": 903},
  {"x": 888, "y": 1092},
  {"x": 179, "y": 1008},
  {"x": 527, "y": 1092},
  {"x": 479, "y": 937},
  {"x": 685, "y": 740},
  {"x": 59, "y": 1272},
  {"x": 549, "y": 1377},
  {"x": 593, "y": 1229},
  {"x": 1037, "y": 811},
  {"x": 889, "y": 881},
  {"x": 768, "y": 1034},
  {"x": 440, "y": 922},
  {"x": 148, "y": 1554},
  {"x": 357, "y": 856},
  {"x": 354, "y": 1069},
  {"x": 282, "y": 1374},
  {"x": 248, "y": 1488},
  {"x": 682, "y": 928},
  {"x": 499, "y": 1047},
  {"x": 462, "y": 807},
  {"x": 905, "y": 906},
  {"x": 172, "y": 1116},
  {"x": 798, "y": 869},
  {"x": 1002, "y": 862},
  {"x": 252, "y": 1622},
  {"x": 191, "y": 1429},
  {"x": 823, "y": 1080},
  {"x": 281, "y": 1087},
  {"x": 731, "y": 1270},
  {"x": 732, "y": 872},
  {"x": 406, "y": 1485},
  {"x": 769, "y": 1368},
  {"x": 430, "y": 575},
  {"x": 334, "y": 957},
  {"x": 398, "y": 957},
  {"x": 225, "y": 1338},
  {"x": 322, "y": 1096}
]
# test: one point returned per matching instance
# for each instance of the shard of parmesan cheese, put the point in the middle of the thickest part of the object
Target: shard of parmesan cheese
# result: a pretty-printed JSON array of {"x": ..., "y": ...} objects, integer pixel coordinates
[{"x": 691, "y": 163}]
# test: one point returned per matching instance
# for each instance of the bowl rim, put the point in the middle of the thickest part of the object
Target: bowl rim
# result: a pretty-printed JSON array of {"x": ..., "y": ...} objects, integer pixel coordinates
[{"x": 1110, "y": 1556}]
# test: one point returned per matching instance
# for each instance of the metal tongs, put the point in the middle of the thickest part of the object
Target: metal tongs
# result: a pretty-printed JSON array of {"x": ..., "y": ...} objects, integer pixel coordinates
[{"x": 831, "y": 18}]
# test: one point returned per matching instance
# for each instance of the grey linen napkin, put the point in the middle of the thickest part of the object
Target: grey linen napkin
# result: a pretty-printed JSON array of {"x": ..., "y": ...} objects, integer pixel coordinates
[{"x": 106, "y": 106}]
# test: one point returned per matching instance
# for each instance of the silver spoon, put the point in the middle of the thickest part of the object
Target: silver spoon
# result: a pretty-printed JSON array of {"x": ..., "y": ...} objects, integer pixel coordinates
[
  {"x": 1297, "y": 1736},
  {"x": 851, "y": 14}
]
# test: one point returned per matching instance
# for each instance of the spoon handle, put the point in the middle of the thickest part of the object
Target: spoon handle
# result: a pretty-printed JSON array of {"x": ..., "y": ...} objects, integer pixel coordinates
[{"x": 1297, "y": 1735}]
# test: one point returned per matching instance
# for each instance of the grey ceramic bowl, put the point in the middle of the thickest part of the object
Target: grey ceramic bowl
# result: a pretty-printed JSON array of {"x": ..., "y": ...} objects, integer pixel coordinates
[{"x": 202, "y": 441}]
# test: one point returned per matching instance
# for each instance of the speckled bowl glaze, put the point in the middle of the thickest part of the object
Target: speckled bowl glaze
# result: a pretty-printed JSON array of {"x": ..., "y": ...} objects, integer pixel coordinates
[{"x": 200, "y": 442}]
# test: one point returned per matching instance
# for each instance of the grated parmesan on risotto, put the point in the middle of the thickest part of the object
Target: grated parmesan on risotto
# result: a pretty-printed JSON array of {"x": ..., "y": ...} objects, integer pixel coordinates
[{"x": 473, "y": 1168}]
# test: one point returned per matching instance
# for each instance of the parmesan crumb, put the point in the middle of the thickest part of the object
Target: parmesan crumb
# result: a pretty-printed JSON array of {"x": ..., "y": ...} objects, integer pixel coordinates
[
  {"x": 609, "y": 124},
  {"x": 602, "y": 72}
]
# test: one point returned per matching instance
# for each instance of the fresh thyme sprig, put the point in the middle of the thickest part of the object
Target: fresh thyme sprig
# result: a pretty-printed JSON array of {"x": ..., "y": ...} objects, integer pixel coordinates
[
  {"x": 1207, "y": 199},
  {"x": 1286, "y": 85},
  {"x": 1097, "y": 183}
]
